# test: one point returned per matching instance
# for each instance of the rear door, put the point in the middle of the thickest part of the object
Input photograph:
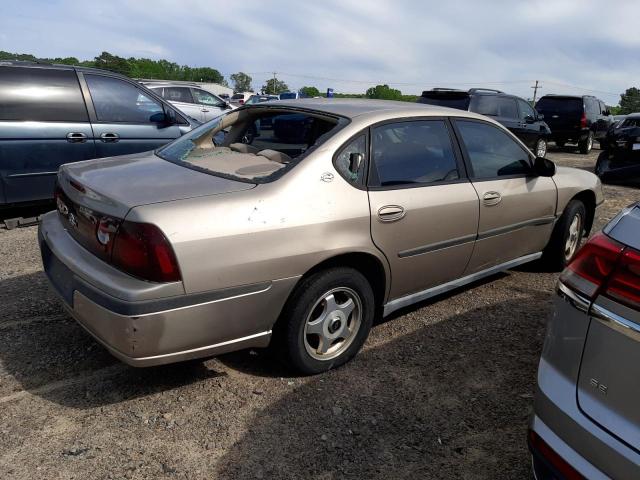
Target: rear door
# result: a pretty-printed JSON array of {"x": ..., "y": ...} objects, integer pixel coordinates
[
  {"x": 517, "y": 208},
  {"x": 210, "y": 106},
  {"x": 502, "y": 109},
  {"x": 124, "y": 117},
  {"x": 424, "y": 211},
  {"x": 43, "y": 124}
]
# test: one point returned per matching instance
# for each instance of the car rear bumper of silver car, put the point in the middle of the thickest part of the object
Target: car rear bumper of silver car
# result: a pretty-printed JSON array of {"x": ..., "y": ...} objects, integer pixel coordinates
[
  {"x": 154, "y": 331},
  {"x": 558, "y": 420}
]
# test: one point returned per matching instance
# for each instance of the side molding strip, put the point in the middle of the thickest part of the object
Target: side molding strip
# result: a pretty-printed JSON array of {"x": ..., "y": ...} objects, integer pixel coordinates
[{"x": 407, "y": 300}]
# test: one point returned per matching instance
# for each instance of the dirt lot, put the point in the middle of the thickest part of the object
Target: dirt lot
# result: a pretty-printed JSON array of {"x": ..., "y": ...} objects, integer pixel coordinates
[{"x": 442, "y": 390}]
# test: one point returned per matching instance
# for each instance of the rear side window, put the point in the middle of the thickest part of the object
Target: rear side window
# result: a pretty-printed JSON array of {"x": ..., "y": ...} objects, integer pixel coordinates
[
  {"x": 559, "y": 105},
  {"x": 118, "y": 101},
  {"x": 41, "y": 95},
  {"x": 494, "y": 106},
  {"x": 178, "y": 94},
  {"x": 492, "y": 152},
  {"x": 406, "y": 153},
  {"x": 352, "y": 171},
  {"x": 526, "y": 110}
]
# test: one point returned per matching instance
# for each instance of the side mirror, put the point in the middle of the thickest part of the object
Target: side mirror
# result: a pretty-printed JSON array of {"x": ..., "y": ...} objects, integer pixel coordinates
[
  {"x": 543, "y": 167},
  {"x": 355, "y": 162},
  {"x": 529, "y": 119},
  {"x": 159, "y": 117}
]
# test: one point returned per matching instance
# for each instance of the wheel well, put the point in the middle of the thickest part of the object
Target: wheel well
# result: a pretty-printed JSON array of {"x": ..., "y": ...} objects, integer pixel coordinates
[
  {"x": 367, "y": 264},
  {"x": 589, "y": 199}
]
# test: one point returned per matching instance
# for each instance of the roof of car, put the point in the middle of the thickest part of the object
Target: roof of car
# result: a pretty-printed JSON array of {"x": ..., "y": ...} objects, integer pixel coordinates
[
  {"x": 56, "y": 66},
  {"x": 354, "y": 107}
]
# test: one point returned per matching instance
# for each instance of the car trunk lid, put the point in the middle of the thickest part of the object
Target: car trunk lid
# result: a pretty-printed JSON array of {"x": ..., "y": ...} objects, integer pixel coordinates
[
  {"x": 608, "y": 386},
  {"x": 93, "y": 197}
]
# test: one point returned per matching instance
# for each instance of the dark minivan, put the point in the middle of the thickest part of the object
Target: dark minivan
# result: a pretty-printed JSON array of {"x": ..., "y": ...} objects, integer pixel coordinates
[
  {"x": 55, "y": 114},
  {"x": 513, "y": 112},
  {"x": 576, "y": 119}
]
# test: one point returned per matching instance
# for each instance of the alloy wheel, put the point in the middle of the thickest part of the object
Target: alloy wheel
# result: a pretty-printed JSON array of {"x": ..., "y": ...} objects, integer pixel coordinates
[
  {"x": 333, "y": 323},
  {"x": 574, "y": 238}
]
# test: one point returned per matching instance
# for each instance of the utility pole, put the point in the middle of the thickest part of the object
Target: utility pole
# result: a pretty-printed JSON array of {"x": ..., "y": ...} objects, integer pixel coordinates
[
  {"x": 274, "y": 84},
  {"x": 535, "y": 91}
]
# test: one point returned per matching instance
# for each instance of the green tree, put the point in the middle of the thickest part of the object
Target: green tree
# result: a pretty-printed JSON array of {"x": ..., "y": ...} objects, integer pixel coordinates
[
  {"x": 630, "y": 101},
  {"x": 113, "y": 63},
  {"x": 310, "y": 92},
  {"x": 274, "y": 86},
  {"x": 241, "y": 82},
  {"x": 384, "y": 92}
]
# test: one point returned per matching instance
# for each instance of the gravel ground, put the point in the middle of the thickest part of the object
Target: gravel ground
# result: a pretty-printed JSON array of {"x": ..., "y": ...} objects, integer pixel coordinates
[{"x": 441, "y": 390}]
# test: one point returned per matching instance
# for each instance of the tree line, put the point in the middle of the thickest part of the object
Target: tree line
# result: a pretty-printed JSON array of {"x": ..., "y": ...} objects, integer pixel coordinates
[{"x": 242, "y": 82}]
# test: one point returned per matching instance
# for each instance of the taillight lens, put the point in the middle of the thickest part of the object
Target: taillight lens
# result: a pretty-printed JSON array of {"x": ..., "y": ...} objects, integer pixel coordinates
[
  {"x": 583, "y": 121},
  {"x": 541, "y": 448},
  {"x": 592, "y": 265},
  {"x": 624, "y": 284},
  {"x": 143, "y": 251}
]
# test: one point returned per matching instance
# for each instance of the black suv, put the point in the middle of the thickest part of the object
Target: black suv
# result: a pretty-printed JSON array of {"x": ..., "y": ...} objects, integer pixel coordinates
[
  {"x": 576, "y": 119},
  {"x": 513, "y": 112}
]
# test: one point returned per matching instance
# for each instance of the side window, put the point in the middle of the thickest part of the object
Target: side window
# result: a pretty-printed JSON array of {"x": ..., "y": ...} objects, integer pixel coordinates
[
  {"x": 603, "y": 107},
  {"x": 494, "y": 106},
  {"x": 118, "y": 101},
  {"x": 526, "y": 110},
  {"x": 41, "y": 95},
  {"x": 492, "y": 152},
  {"x": 592, "y": 106},
  {"x": 417, "y": 152},
  {"x": 353, "y": 171},
  {"x": 178, "y": 94},
  {"x": 205, "y": 98}
]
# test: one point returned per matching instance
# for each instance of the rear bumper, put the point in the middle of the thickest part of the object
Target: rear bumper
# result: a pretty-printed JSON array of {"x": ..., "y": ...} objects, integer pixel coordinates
[
  {"x": 570, "y": 135},
  {"x": 558, "y": 420},
  {"x": 154, "y": 331}
]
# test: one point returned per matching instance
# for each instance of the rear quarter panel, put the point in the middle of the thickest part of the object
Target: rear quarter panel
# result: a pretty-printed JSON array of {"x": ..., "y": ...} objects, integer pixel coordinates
[{"x": 276, "y": 230}]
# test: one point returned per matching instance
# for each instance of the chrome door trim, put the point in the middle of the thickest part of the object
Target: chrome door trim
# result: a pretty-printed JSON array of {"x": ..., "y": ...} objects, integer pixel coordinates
[
  {"x": 410, "y": 299},
  {"x": 616, "y": 322},
  {"x": 31, "y": 174},
  {"x": 454, "y": 242}
]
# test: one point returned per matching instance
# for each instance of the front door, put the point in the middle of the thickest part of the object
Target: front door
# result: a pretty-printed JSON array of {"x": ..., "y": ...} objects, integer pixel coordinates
[
  {"x": 517, "y": 208},
  {"x": 127, "y": 120},
  {"x": 424, "y": 212},
  {"x": 210, "y": 106},
  {"x": 529, "y": 125}
]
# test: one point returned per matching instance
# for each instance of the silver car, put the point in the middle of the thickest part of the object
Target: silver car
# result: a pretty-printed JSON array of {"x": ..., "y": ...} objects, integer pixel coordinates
[
  {"x": 301, "y": 234},
  {"x": 191, "y": 100},
  {"x": 587, "y": 415}
]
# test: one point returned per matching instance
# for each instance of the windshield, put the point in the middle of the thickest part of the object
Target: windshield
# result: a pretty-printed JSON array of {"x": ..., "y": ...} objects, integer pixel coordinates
[
  {"x": 237, "y": 96},
  {"x": 551, "y": 105},
  {"x": 288, "y": 96},
  {"x": 256, "y": 144}
]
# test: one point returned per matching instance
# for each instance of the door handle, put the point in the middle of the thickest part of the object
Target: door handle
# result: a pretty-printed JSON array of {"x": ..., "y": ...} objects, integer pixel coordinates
[
  {"x": 491, "y": 198},
  {"x": 391, "y": 213},
  {"x": 76, "y": 137},
  {"x": 109, "y": 137},
  {"x": 204, "y": 110}
]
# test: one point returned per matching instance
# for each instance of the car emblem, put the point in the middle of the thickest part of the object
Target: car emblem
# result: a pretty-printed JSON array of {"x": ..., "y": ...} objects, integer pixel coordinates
[
  {"x": 554, "y": 116},
  {"x": 326, "y": 177}
]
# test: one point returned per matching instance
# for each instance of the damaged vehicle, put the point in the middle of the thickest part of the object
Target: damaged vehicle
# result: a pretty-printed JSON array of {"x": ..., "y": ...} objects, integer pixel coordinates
[
  {"x": 620, "y": 161},
  {"x": 221, "y": 240}
]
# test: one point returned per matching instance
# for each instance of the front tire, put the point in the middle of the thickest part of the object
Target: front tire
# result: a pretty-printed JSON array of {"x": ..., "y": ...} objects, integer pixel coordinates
[
  {"x": 586, "y": 145},
  {"x": 566, "y": 237},
  {"x": 326, "y": 321}
]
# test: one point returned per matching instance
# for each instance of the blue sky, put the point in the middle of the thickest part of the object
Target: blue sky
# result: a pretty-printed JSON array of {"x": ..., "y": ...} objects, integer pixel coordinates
[{"x": 350, "y": 45}]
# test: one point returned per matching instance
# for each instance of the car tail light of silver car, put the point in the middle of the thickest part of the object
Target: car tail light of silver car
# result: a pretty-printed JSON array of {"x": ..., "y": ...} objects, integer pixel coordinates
[
  {"x": 557, "y": 466},
  {"x": 142, "y": 250},
  {"x": 604, "y": 266}
]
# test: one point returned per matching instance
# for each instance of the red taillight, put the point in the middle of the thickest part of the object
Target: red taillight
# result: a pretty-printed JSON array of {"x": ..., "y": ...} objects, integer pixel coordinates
[
  {"x": 241, "y": 102},
  {"x": 592, "y": 265},
  {"x": 142, "y": 250},
  {"x": 583, "y": 121},
  {"x": 542, "y": 449},
  {"x": 624, "y": 283}
]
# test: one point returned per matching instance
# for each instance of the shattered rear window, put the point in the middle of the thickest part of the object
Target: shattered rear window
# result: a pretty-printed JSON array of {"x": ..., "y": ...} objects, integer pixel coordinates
[{"x": 253, "y": 144}]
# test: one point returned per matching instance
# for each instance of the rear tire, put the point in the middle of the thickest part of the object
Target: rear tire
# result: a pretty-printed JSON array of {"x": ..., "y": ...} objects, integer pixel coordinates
[
  {"x": 586, "y": 145},
  {"x": 566, "y": 237},
  {"x": 326, "y": 321}
]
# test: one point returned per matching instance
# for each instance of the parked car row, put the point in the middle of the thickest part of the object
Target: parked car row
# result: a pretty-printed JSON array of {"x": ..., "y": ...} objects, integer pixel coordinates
[{"x": 561, "y": 118}]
